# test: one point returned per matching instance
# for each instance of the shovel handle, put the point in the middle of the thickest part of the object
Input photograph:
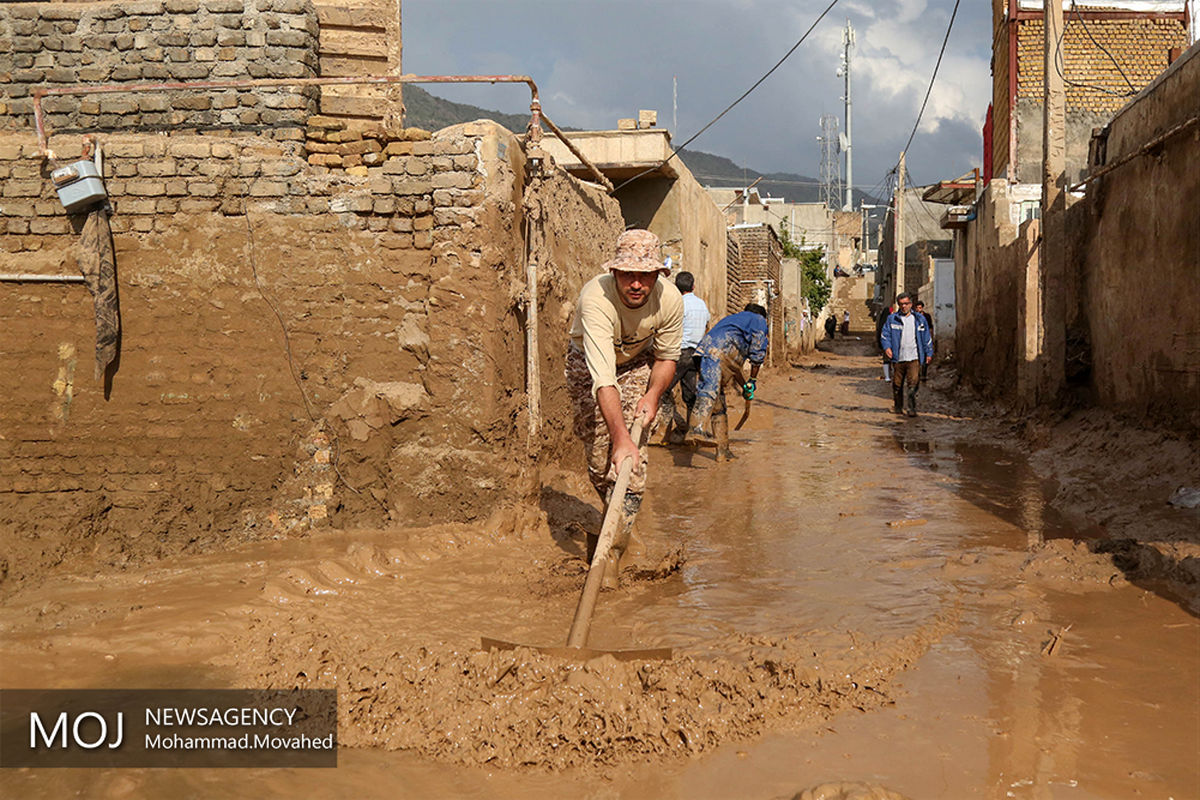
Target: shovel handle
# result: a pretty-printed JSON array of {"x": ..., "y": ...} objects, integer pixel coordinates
[{"x": 608, "y": 531}]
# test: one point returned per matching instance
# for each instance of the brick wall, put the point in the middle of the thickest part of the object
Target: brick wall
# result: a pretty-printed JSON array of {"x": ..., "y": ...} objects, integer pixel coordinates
[
  {"x": 361, "y": 37},
  {"x": 733, "y": 266},
  {"x": 760, "y": 256},
  {"x": 1137, "y": 46},
  {"x": 152, "y": 41},
  {"x": 403, "y": 328},
  {"x": 1098, "y": 56}
]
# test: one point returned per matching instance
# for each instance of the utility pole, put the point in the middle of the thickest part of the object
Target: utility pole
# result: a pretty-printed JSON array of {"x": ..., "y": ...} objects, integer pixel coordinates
[
  {"x": 899, "y": 282},
  {"x": 847, "y": 43},
  {"x": 1052, "y": 260}
]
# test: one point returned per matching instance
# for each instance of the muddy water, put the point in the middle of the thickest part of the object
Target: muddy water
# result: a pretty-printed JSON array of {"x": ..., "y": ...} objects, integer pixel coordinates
[{"x": 905, "y": 551}]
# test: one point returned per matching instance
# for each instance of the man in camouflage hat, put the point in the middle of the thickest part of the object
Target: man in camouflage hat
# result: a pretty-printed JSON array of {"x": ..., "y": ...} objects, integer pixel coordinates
[{"x": 625, "y": 340}]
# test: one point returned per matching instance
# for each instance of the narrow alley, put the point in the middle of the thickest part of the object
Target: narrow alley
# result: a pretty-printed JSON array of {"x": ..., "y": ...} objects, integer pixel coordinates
[{"x": 859, "y": 600}]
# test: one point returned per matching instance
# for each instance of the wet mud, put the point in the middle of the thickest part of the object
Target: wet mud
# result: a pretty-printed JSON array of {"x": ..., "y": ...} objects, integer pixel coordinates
[{"x": 861, "y": 606}]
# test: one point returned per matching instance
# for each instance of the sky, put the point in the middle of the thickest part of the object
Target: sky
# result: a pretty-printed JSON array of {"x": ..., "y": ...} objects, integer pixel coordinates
[{"x": 596, "y": 61}]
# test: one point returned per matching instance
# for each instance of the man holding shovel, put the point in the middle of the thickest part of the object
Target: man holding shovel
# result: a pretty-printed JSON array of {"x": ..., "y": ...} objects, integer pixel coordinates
[{"x": 625, "y": 340}]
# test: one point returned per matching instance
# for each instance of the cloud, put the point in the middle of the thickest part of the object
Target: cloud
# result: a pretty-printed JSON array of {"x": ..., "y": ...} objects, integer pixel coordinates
[{"x": 598, "y": 61}]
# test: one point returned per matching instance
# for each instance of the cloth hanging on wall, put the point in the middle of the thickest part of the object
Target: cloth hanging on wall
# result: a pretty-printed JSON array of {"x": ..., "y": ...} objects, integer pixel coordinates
[{"x": 98, "y": 264}]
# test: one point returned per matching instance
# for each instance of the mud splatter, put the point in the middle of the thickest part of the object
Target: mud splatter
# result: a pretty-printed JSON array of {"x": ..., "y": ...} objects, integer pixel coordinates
[{"x": 521, "y": 708}]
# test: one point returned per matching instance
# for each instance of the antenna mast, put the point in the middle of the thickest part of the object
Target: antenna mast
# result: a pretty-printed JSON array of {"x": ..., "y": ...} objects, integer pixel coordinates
[
  {"x": 831, "y": 165},
  {"x": 847, "y": 143}
]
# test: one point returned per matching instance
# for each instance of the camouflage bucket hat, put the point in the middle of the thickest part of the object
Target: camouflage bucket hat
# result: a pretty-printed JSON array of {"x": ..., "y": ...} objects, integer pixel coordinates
[{"x": 637, "y": 251}]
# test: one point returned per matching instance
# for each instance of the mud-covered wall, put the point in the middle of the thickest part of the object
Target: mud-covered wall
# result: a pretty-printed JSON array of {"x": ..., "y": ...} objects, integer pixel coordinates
[
  {"x": 1132, "y": 278},
  {"x": 52, "y": 45},
  {"x": 397, "y": 393},
  {"x": 989, "y": 263},
  {"x": 576, "y": 230},
  {"x": 1142, "y": 268}
]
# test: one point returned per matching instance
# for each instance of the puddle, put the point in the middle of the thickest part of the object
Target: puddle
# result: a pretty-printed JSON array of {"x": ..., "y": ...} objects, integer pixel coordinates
[
  {"x": 999, "y": 481},
  {"x": 788, "y": 547}
]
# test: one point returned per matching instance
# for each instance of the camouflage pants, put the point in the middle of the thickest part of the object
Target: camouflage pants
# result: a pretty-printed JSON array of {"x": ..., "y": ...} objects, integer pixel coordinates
[{"x": 632, "y": 380}]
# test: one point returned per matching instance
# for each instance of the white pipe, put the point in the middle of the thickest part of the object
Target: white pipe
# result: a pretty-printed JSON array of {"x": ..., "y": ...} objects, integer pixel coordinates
[{"x": 30, "y": 277}]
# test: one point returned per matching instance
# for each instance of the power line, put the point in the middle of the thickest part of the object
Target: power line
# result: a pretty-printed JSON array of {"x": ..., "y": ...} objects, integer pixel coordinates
[
  {"x": 1060, "y": 63},
  {"x": 768, "y": 179},
  {"x": 729, "y": 108}
]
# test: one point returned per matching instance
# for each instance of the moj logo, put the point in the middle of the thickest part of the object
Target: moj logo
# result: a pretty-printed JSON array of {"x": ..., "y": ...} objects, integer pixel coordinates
[{"x": 89, "y": 730}]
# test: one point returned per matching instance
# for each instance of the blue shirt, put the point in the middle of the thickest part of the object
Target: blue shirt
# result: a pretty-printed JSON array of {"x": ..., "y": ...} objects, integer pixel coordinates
[
  {"x": 695, "y": 320},
  {"x": 744, "y": 332}
]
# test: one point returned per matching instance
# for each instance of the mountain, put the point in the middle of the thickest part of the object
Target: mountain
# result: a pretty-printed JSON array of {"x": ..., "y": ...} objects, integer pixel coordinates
[{"x": 424, "y": 110}]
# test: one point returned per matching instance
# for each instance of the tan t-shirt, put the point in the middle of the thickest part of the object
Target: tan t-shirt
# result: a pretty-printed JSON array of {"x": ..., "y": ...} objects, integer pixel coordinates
[{"x": 611, "y": 333}]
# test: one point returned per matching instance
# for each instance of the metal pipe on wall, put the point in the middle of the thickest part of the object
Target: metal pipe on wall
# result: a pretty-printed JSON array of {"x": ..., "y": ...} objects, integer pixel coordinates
[{"x": 30, "y": 277}]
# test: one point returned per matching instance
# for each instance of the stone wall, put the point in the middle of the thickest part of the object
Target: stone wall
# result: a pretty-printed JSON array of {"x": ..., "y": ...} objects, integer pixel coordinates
[
  {"x": 157, "y": 41},
  {"x": 299, "y": 345}
]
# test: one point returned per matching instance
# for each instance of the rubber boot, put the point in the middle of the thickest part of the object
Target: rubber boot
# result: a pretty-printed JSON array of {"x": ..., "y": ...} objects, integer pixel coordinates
[
  {"x": 720, "y": 426},
  {"x": 910, "y": 404},
  {"x": 698, "y": 420},
  {"x": 678, "y": 423},
  {"x": 897, "y": 399},
  {"x": 662, "y": 422}
]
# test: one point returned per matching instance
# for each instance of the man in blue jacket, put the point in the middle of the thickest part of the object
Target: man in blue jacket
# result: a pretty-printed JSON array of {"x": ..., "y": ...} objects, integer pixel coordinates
[
  {"x": 720, "y": 355},
  {"x": 907, "y": 344}
]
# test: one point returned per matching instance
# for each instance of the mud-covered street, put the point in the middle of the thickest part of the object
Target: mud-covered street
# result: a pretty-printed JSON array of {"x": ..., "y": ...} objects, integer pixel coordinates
[{"x": 858, "y": 599}]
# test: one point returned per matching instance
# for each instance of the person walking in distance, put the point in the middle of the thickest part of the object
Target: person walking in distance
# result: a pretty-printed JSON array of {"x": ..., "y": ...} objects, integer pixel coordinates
[
  {"x": 695, "y": 325},
  {"x": 906, "y": 344},
  {"x": 721, "y": 353},
  {"x": 624, "y": 344},
  {"x": 846, "y": 323}
]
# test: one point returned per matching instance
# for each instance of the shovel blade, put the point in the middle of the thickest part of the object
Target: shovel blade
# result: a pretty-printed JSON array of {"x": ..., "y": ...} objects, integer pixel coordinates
[{"x": 583, "y": 653}]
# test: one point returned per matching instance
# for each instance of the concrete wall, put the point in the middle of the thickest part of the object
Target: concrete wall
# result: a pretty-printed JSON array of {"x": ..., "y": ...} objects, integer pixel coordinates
[
  {"x": 1080, "y": 124},
  {"x": 802, "y": 328},
  {"x": 667, "y": 200},
  {"x": 156, "y": 41},
  {"x": 396, "y": 396},
  {"x": 939, "y": 298},
  {"x": 924, "y": 238}
]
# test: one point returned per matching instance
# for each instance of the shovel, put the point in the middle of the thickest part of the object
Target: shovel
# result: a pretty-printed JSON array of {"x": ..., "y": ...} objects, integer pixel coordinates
[{"x": 577, "y": 639}]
